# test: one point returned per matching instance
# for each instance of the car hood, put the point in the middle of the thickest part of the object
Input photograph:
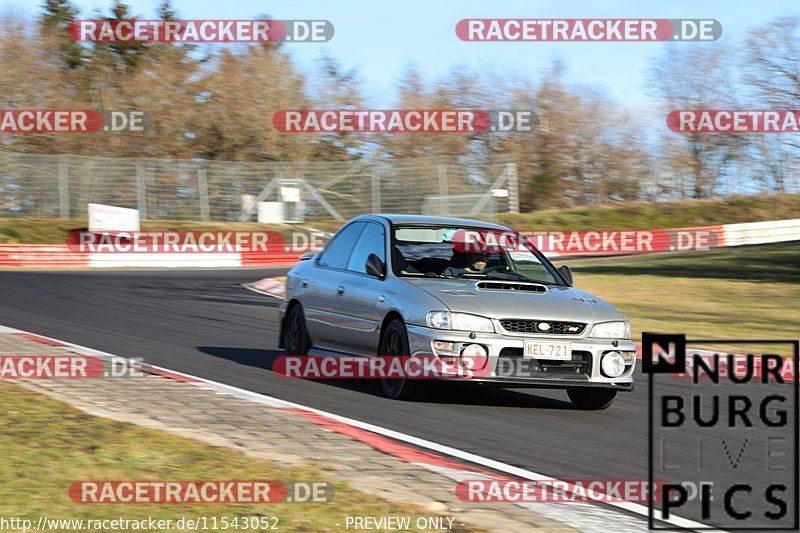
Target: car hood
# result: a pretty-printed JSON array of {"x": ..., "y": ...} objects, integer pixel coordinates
[{"x": 558, "y": 303}]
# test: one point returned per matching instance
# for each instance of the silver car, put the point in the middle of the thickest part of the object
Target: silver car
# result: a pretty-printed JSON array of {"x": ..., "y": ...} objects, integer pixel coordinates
[{"x": 413, "y": 285}]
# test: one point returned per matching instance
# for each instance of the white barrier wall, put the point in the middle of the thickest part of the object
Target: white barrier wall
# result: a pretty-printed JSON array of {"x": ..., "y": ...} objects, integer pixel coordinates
[
  {"x": 165, "y": 260},
  {"x": 761, "y": 232}
]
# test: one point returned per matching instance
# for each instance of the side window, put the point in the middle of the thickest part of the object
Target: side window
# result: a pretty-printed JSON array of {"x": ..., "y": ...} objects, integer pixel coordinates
[
  {"x": 372, "y": 241},
  {"x": 338, "y": 250}
]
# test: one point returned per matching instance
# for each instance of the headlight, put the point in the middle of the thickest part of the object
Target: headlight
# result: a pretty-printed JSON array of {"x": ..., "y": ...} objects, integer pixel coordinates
[
  {"x": 458, "y": 321},
  {"x": 612, "y": 330},
  {"x": 465, "y": 322},
  {"x": 438, "y": 320}
]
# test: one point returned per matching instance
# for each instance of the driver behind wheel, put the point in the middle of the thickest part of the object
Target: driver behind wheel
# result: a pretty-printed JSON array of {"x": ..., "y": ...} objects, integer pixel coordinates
[{"x": 466, "y": 263}]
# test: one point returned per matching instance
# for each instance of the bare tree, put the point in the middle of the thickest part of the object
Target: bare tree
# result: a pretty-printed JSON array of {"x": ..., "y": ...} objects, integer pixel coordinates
[
  {"x": 772, "y": 72},
  {"x": 699, "y": 78}
]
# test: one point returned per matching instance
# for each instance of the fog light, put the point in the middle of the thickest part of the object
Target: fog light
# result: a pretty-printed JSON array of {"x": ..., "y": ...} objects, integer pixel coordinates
[
  {"x": 443, "y": 347},
  {"x": 474, "y": 350},
  {"x": 612, "y": 364},
  {"x": 473, "y": 356}
]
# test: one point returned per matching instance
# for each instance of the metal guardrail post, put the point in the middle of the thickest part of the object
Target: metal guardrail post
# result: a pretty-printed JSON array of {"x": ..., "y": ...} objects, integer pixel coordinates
[
  {"x": 141, "y": 190},
  {"x": 202, "y": 189},
  {"x": 63, "y": 187},
  {"x": 444, "y": 204},
  {"x": 376, "y": 191},
  {"x": 513, "y": 188}
]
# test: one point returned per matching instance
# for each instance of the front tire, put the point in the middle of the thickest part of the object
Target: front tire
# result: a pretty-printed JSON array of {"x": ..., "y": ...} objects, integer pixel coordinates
[
  {"x": 296, "y": 340},
  {"x": 591, "y": 399},
  {"x": 394, "y": 343}
]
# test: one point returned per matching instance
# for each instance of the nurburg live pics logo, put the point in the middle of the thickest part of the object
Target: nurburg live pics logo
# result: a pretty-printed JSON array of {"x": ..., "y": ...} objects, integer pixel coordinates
[{"x": 726, "y": 441}]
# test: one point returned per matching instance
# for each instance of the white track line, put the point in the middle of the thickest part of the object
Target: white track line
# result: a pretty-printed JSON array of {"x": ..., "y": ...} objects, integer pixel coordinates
[
  {"x": 631, "y": 507},
  {"x": 258, "y": 291}
]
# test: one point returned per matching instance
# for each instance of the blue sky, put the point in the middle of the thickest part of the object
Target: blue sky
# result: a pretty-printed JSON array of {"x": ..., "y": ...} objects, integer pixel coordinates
[{"x": 380, "y": 39}]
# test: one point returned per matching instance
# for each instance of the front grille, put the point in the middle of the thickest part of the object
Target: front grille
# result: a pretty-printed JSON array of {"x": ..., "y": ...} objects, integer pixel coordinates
[
  {"x": 512, "y": 364},
  {"x": 515, "y": 325}
]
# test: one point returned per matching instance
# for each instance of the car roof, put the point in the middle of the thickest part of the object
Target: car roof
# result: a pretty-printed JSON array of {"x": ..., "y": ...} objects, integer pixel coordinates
[{"x": 398, "y": 219}]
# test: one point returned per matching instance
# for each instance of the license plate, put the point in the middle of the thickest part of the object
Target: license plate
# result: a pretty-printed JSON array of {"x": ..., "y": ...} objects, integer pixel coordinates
[{"x": 560, "y": 351}]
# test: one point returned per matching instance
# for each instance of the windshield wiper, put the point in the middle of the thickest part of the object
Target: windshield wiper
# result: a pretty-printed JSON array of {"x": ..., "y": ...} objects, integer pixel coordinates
[
  {"x": 506, "y": 275},
  {"x": 512, "y": 276}
]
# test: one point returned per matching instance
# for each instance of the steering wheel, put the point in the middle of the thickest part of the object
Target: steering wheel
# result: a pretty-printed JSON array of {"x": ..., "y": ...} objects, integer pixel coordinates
[{"x": 495, "y": 268}]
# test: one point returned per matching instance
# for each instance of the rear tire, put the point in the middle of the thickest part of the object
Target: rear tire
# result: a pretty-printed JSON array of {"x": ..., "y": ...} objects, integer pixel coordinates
[
  {"x": 591, "y": 399},
  {"x": 394, "y": 342},
  {"x": 296, "y": 340}
]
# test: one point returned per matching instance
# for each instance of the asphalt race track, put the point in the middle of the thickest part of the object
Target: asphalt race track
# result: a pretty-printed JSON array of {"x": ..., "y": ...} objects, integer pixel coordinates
[{"x": 204, "y": 323}]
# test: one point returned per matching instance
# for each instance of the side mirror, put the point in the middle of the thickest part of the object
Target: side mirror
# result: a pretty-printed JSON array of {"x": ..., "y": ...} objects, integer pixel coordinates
[
  {"x": 566, "y": 273},
  {"x": 375, "y": 267}
]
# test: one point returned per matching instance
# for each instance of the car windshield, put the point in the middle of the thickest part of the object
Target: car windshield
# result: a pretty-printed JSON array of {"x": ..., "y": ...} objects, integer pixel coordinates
[{"x": 469, "y": 253}]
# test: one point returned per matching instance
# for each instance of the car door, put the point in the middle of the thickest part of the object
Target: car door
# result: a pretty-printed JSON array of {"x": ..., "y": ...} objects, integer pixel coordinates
[
  {"x": 363, "y": 297},
  {"x": 324, "y": 289}
]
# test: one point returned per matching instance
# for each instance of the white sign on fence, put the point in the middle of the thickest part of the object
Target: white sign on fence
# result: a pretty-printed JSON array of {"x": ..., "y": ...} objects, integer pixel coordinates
[
  {"x": 290, "y": 194},
  {"x": 109, "y": 218},
  {"x": 270, "y": 212}
]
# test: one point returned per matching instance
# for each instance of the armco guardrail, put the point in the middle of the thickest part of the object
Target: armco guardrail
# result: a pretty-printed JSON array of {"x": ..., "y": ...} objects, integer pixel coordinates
[
  {"x": 691, "y": 239},
  {"x": 43, "y": 256},
  {"x": 761, "y": 232}
]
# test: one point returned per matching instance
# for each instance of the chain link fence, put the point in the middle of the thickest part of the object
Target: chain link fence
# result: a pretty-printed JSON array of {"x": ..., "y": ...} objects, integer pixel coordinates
[{"x": 45, "y": 186}]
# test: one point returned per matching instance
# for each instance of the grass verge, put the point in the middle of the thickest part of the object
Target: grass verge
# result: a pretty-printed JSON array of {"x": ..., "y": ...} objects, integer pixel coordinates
[
  {"x": 661, "y": 215},
  {"x": 47, "y": 445},
  {"x": 747, "y": 292}
]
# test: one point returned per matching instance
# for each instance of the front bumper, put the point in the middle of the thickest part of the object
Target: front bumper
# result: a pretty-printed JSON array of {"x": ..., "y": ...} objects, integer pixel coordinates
[{"x": 506, "y": 367}]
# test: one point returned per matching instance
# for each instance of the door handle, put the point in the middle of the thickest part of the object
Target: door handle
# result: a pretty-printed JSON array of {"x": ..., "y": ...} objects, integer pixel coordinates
[{"x": 340, "y": 289}]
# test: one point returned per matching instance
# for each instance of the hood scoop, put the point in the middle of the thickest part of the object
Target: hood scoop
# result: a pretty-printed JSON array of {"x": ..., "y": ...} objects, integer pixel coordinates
[{"x": 519, "y": 286}]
